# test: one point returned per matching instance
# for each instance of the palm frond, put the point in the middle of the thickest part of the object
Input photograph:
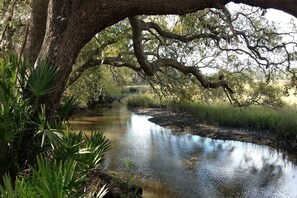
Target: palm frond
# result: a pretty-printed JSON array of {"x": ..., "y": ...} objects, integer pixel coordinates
[{"x": 41, "y": 81}]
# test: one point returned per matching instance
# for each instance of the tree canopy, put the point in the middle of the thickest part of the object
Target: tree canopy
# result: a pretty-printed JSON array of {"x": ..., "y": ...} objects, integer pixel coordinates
[{"x": 167, "y": 50}]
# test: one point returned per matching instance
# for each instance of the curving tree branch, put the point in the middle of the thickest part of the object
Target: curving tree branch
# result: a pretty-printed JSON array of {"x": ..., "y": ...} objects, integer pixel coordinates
[
  {"x": 112, "y": 61},
  {"x": 150, "y": 68},
  {"x": 183, "y": 38}
]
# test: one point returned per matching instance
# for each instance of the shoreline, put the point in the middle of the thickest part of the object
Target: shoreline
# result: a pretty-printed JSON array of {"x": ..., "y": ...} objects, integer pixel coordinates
[{"x": 185, "y": 123}]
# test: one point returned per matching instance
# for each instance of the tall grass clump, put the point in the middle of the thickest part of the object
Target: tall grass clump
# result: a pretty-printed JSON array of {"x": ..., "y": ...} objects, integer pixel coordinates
[
  {"x": 145, "y": 100},
  {"x": 279, "y": 121}
]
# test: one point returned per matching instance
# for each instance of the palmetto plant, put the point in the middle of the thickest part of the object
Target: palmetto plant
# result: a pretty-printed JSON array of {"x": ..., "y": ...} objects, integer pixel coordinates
[
  {"x": 88, "y": 152},
  {"x": 48, "y": 179},
  {"x": 67, "y": 108},
  {"x": 14, "y": 116},
  {"x": 57, "y": 179},
  {"x": 91, "y": 154},
  {"x": 26, "y": 132},
  {"x": 21, "y": 93},
  {"x": 41, "y": 82},
  {"x": 20, "y": 188},
  {"x": 65, "y": 175}
]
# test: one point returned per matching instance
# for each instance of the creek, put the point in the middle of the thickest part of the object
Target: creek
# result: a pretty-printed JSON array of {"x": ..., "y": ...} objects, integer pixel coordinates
[{"x": 166, "y": 164}]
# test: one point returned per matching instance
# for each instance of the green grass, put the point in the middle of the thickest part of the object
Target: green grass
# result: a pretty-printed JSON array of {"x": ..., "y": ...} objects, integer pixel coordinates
[
  {"x": 282, "y": 121},
  {"x": 279, "y": 121}
]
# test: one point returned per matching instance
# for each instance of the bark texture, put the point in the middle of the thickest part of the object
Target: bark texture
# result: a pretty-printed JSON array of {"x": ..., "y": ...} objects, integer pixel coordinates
[{"x": 37, "y": 27}]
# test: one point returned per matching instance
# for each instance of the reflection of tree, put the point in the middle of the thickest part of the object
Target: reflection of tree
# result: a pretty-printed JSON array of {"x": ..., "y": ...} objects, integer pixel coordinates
[
  {"x": 259, "y": 176},
  {"x": 219, "y": 168},
  {"x": 101, "y": 119},
  {"x": 247, "y": 171}
]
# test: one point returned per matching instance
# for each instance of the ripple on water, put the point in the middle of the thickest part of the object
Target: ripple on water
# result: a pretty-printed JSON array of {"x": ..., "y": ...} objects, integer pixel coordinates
[{"x": 187, "y": 165}]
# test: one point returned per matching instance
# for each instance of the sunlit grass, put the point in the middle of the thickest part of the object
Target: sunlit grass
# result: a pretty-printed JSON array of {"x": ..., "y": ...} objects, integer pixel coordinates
[
  {"x": 281, "y": 121},
  {"x": 145, "y": 100}
]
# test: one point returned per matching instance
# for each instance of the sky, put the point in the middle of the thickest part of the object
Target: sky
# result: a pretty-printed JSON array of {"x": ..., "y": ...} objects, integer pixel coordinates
[
  {"x": 279, "y": 16},
  {"x": 272, "y": 14}
]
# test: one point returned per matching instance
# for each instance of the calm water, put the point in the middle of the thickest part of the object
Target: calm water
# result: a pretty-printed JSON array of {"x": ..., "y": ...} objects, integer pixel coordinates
[{"x": 173, "y": 165}]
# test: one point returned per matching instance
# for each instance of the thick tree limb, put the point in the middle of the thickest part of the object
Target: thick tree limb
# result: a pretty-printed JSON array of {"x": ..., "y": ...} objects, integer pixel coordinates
[
  {"x": 37, "y": 28},
  {"x": 150, "y": 68},
  {"x": 195, "y": 72},
  {"x": 71, "y": 24},
  {"x": 182, "y": 38},
  {"x": 113, "y": 61},
  {"x": 229, "y": 21},
  {"x": 255, "y": 50},
  {"x": 147, "y": 67}
]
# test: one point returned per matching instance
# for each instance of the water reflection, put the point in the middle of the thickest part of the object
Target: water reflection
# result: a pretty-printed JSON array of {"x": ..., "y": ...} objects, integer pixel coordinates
[{"x": 191, "y": 166}]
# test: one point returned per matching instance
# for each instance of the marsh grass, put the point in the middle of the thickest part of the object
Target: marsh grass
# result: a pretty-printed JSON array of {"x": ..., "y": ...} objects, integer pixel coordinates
[{"x": 280, "y": 121}]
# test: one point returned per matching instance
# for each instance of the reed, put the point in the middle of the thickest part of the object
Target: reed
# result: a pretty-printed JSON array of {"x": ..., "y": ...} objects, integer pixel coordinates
[{"x": 281, "y": 121}]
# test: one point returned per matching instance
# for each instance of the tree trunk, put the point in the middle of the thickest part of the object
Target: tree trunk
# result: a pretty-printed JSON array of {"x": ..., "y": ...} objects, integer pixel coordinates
[{"x": 37, "y": 27}]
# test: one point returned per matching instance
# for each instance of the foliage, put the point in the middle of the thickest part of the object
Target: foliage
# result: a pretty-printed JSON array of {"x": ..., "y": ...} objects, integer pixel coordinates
[
  {"x": 89, "y": 152},
  {"x": 56, "y": 179},
  {"x": 237, "y": 58},
  {"x": 100, "y": 194},
  {"x": 94, "y": 85},
  {"x": 26, "y": 132},
  {"x": 144, "y": 100},
  {"x": 279, "y": 121},
  {"x": 232, "y": 43},
  {"x": 41, "y": 82},
  {"x": 213, "y": 41},
  {"x": 68, "y": 107},
  {"x": 240, "y": 49},
  {"x": 92, "y": 153},
  {"x": 102, "y": 80},
  {"x": 15, "y": 115},
  {"x": 19, "y": 188},
  {"x": 49, "y": 179},
  {"x": 65, "y": 174},
  {"x": 12, "y": 28}
]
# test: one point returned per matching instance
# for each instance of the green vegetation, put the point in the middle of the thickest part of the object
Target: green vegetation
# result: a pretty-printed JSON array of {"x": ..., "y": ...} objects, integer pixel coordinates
[
  {"x": 96, "y": 86},
  {"x": 281, "y": 121},
  {"x": 41, "y": 156},
  {"x": 145, "y": 100},
  {"x": 243, "y": 53},
  {"x": 64, "y": 175}
]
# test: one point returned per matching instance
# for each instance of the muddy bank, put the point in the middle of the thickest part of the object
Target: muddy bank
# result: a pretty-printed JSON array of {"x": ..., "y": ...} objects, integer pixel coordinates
[
  {"x": 116, "y": 187},
  {"x": 180, "y": 122}
]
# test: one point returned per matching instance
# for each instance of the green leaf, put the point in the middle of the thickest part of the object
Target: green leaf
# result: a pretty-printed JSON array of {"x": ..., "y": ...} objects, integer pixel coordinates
[{"x": 41, "y": 81}]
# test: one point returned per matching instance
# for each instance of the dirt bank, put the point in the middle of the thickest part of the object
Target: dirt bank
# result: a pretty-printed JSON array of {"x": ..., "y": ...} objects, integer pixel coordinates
[
  {"x": 117, "y": 187},
  {"x": 180, "y": 122}
]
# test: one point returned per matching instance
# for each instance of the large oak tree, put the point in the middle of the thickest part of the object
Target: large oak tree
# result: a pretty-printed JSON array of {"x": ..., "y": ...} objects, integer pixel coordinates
[{"x": 59, "y": 29}]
